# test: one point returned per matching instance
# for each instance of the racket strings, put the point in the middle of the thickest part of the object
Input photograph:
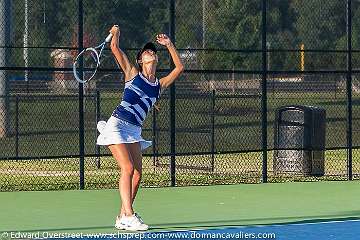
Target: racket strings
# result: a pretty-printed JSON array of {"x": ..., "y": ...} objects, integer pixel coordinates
[{"x": 89, "y": 65}]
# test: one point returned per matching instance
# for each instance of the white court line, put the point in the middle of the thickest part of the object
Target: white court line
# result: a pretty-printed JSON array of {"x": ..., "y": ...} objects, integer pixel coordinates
[
  {"x": 310, "y": 223},
  {"x": 212, "y": 228},
  {"x": 270, "y": 225}
]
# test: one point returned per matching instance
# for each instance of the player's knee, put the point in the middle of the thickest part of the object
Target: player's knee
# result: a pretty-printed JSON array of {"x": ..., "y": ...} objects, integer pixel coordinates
[{"x": 127, "y": 169}]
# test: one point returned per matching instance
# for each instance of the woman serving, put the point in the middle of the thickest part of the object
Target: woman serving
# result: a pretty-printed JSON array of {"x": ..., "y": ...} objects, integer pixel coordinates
[{"x": 122, "y": 132}]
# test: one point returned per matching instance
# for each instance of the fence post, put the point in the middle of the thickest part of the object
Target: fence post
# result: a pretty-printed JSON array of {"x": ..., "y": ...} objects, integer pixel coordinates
[
  {"x": 172, "y": 101},
  {"x": 81, "y": 98},
  {"x": 5, "y": 39},
  {"x": 264, "y": 94},
  {"x": 17, "y": 126},
  {"x": 349, "y": 91},
  {"x": 213, "y": 130},
  {"x": 154, "y": 140},
  {"x": 97, "y": 118}
]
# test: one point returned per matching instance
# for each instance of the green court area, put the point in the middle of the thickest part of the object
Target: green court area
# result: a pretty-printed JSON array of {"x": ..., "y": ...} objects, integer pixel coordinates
[{"x": 198, "y": 207}]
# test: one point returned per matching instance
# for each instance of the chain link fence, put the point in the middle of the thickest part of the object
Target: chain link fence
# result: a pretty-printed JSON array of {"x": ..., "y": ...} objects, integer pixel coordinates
[{"x": 243, "y": 61}]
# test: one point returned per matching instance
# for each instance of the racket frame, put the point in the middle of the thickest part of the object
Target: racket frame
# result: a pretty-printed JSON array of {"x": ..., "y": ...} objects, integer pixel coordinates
[{"x": 97, "y": 55}]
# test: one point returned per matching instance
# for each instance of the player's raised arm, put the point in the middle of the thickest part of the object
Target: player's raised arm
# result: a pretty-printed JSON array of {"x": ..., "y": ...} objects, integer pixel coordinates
[
  {"x": 179, "y": 67},
  {"x": 123, "y": 61}
]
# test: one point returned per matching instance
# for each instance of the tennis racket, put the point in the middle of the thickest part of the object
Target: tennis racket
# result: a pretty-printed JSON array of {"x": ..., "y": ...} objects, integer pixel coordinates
[{"x": 90, "y": 62}]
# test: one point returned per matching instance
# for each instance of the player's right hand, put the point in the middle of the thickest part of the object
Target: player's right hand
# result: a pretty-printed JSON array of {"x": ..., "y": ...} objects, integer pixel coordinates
[{"x": 115, "y": 30}]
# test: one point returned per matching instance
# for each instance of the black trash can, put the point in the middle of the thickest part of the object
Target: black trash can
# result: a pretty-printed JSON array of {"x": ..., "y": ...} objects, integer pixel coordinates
[{"x": 299, "y": 140}]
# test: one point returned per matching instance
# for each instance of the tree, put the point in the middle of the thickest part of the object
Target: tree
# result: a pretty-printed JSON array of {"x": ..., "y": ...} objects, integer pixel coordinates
[
  {"x": 320, "y": 25},
  {"x": 238, "y": 25}
]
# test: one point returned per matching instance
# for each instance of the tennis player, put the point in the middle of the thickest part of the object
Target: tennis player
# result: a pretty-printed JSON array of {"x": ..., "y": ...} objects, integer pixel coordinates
[{"x": 122, "y": 132}]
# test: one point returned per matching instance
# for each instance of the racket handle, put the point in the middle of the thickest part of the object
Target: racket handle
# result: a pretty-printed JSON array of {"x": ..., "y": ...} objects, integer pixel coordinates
[{"x": 108, "y": 38}]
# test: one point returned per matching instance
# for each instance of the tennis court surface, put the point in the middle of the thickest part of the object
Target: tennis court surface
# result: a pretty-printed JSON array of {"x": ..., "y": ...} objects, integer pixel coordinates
[{"x": 316, "y": 210}]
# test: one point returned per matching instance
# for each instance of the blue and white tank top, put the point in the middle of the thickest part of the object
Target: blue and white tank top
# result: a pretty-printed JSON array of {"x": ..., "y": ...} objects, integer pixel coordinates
[{"x": 139, "y": 96}]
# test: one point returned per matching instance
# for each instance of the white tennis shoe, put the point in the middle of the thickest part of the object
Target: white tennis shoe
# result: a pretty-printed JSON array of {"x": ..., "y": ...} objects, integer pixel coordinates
[
  {"x": 131, "y": 223},
  {"x": 101, "y": 126},
  {"x": 118, "y": 223}
]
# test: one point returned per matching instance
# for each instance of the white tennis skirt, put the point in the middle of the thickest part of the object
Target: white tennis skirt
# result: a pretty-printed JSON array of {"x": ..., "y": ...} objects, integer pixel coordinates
[{"x": 116, "y": 131}]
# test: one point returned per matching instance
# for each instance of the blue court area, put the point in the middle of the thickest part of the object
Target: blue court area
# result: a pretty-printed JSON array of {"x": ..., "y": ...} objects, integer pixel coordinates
[
  {"x": 335, "y": 230},
  {"x": 310, "y": 231}
]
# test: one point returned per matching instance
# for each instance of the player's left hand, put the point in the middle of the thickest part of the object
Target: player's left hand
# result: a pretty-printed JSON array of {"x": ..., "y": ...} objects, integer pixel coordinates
[{"x": 163, "y": 39}]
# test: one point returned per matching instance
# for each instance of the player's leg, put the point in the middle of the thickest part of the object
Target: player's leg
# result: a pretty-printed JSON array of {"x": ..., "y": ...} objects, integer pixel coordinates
[
  {"x": 136, "y": 156},
  {"x": 123, "y": 159},
  {"x": 128, "y": 221}
]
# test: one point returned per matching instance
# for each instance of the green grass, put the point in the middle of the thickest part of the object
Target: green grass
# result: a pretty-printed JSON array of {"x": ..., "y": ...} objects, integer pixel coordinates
[
  {"x": 50, "y": 128},
  {"x": 228, "y": 169}
]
